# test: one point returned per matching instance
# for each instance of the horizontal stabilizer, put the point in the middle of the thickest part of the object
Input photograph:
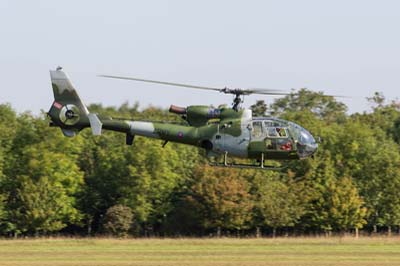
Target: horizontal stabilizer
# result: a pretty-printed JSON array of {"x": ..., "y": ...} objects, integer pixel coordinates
[{"x": 69, "y": 132}]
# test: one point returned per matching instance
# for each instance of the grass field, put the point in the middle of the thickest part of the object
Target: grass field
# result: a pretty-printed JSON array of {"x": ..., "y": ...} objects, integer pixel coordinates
[{"x": 226, "y": 251}]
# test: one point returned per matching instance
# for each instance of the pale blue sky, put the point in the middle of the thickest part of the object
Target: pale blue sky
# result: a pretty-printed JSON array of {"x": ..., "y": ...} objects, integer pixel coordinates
[{"x": 340, "y": 47}]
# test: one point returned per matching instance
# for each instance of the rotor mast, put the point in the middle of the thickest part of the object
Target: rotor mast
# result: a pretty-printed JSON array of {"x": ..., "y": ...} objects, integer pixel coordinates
[{"x": 237, "y": 101}]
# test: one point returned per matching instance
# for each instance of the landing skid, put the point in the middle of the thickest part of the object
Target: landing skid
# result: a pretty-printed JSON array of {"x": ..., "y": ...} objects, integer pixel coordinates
[
  {"x": 261, "y": 165},
  {"x": 247, "y": 166}
]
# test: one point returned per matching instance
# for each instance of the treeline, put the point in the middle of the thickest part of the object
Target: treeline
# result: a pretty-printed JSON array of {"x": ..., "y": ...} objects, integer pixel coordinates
[{"x": 89, "y": 185}]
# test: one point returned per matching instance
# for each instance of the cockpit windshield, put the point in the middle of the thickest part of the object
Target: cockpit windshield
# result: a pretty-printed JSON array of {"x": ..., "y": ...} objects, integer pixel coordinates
[
  {"x": 306, "y": 144},
  {"x": 306, "y": 137},
  {"x": 301, "y": 134}
]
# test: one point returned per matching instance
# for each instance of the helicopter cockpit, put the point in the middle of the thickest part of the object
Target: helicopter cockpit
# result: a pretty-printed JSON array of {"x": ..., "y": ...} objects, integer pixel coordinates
[{"x": 281, "y": 135}]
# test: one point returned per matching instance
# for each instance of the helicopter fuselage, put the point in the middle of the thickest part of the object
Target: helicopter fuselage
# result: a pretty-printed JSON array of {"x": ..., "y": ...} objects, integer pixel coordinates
[
  {"x": 242, "y": 136},
  {"x": 220, "y": 131}
]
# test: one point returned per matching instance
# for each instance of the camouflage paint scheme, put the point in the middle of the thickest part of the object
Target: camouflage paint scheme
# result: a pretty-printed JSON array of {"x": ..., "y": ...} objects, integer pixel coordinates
[{"x": 218, "y": 130}]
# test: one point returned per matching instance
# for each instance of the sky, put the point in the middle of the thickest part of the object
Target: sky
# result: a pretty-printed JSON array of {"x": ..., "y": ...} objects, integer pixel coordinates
[{"x": 339, "y": 47}]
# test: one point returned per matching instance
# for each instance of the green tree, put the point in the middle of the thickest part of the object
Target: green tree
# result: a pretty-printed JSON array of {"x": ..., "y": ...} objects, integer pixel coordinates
[
  {"x": 44, "y": 197},
  {"x": 321, "y": 105},
  {"x": 385, "y": 116},
  {"x": 346, "y": 208},
  {"x": 259, "y": 108},
  {"x": 367, "y": 154},
  {"x": 118, "y": 220},
  {"x": 276, "y": 203},
  {"x": 335, "y": 204},
  {"x": 186, "y": 218},
  {"x": 225, "y": 199}
]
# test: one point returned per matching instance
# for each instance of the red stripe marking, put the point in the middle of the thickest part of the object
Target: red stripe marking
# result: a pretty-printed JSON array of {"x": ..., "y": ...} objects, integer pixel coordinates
[{"x": 57, "y": 105}]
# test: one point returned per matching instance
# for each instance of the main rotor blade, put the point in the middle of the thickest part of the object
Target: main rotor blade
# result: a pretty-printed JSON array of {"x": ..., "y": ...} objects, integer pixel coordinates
[
  {"x": 280, "y": 92},
  {"x": 236, "y": 91},
  {"x": 267, "y": 92},
  {"x": 163, "y": 82}
]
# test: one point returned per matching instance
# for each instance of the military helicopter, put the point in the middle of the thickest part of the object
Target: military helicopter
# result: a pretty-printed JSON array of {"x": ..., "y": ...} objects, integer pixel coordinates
[{"x": 222, "y": 131}]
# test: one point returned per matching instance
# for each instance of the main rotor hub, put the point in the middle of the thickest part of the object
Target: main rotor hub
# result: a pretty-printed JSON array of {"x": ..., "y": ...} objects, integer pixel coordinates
[{"x": 237, "y": 100}]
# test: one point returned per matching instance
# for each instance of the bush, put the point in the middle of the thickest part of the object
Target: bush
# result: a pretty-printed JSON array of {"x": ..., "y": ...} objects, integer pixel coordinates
[{"x": 118, "y": 220}]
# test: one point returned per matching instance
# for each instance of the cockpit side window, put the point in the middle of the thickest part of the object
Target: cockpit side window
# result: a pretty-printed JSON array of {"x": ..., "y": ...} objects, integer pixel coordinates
[
  {"x": 271, "y": 132},
  {"x": 268, "y": 123},
  {"x": 257, "y": 129},
  {"x": 277, "y": 132},
  {"x": 281, "y": 132},
  {"x": 271, "y": 123}
]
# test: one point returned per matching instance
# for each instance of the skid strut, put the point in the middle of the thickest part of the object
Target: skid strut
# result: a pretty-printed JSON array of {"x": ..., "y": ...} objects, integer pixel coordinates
[
  {"x": 226, "y": 158},
  {"x": 262, "y": 160}
]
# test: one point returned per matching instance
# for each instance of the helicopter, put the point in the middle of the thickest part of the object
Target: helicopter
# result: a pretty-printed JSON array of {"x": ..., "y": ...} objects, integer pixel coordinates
[{"x": 221, "y": 132}]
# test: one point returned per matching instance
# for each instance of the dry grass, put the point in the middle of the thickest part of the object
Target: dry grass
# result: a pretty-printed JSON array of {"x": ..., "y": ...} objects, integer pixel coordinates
[{"x": 226, "y": 251}]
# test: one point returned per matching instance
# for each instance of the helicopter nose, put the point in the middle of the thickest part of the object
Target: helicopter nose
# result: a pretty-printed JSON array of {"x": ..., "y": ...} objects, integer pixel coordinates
[
  {"x": 306, "y": 150},
  {"x": 312, "y": 148}
]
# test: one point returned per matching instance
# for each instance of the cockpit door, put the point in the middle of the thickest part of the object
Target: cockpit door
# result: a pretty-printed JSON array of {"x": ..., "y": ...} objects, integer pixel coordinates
[
  {"x": 257, "y": 132},
  {"x": 277, "y": 138}
]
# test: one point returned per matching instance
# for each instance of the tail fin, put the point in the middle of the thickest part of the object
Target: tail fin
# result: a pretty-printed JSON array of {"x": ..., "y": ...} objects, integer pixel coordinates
[{"x": 68, "y": 111}]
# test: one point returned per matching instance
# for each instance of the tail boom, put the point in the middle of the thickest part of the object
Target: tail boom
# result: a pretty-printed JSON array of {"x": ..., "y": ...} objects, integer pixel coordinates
[{"x": 70, "y": 114}]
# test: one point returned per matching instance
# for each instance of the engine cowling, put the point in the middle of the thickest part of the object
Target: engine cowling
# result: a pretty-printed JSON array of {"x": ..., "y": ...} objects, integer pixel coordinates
[{"x": 197, "y": 115}]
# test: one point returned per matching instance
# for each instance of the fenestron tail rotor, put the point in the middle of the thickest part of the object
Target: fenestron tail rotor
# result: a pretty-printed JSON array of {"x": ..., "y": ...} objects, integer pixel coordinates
[{"x": 69, "y": 114}]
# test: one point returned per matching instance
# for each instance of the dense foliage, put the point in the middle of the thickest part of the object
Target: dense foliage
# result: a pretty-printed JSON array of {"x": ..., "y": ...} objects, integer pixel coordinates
[{"x": 94, "y": 185}]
